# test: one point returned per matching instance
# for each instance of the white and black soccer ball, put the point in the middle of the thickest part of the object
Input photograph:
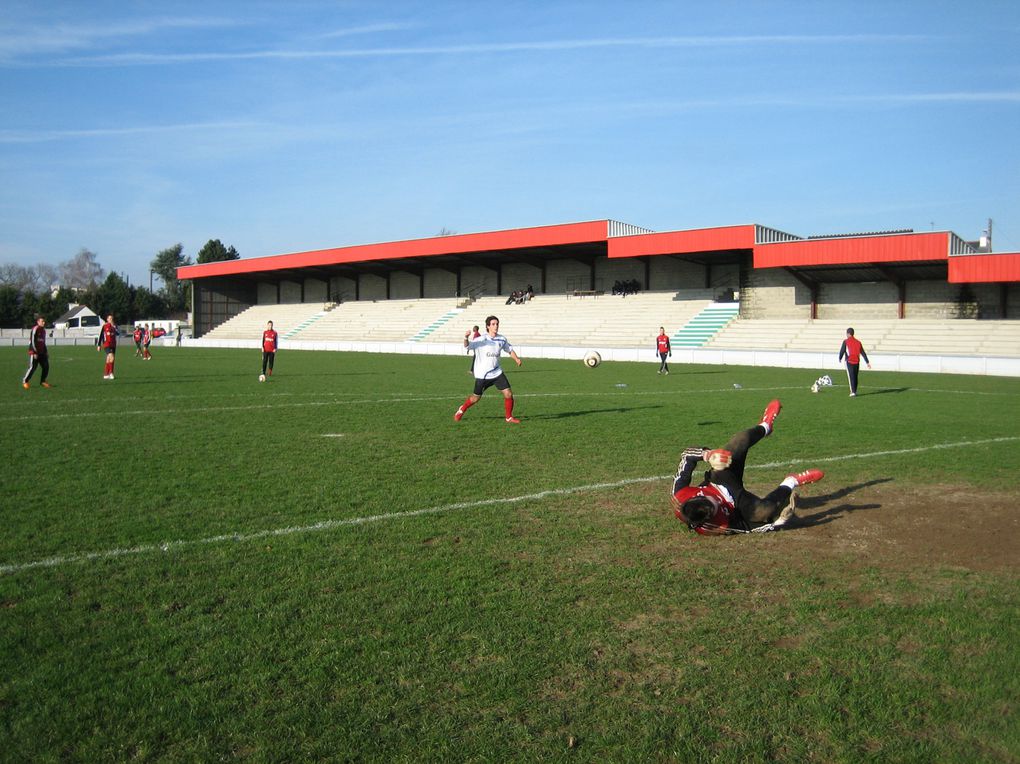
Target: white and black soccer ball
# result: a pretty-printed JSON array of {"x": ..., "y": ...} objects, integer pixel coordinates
[
  {"x": 592, "y": 359},
  {"x": 262, "y": 377}
]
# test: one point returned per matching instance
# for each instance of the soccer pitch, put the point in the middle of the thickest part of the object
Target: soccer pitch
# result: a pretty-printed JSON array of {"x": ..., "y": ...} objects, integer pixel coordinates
[{"x": 197, "y": 565}]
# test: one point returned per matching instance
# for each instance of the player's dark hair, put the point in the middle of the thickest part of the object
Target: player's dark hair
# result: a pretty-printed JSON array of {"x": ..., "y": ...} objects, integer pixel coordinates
[
  {"x": 489, "y": 320},
  {"x": 698, "y": 511},
  {"x": 850, "y": 332}
]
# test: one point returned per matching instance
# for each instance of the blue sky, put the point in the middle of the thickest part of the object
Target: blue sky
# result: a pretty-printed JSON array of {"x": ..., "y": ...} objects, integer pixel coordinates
[{"x": 126, "y": 127}]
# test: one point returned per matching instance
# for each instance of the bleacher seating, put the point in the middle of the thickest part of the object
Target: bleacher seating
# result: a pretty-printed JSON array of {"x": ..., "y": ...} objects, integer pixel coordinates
[
  {"x": 381, "y": 321},
  {"x": 900, "y": 336},
  {"x": 603, "y": 321},
  {"x": 609, "y": 321},
  {"x": 249, "y": 324}
]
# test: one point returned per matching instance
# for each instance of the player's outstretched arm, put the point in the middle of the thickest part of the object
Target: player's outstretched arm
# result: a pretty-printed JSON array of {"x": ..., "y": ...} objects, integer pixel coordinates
[{"x": 688, "y": 462}]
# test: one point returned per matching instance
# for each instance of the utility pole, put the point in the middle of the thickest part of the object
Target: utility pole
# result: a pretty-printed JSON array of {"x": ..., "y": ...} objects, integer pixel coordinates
[{"x": 986, "y": 238}]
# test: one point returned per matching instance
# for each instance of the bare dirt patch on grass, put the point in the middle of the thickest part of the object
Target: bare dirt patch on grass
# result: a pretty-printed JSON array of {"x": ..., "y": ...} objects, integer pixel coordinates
[{"x": 886, "y": 525}]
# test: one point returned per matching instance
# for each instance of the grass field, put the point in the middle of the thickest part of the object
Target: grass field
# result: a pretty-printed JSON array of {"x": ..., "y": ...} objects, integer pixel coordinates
[{"x": 197, "y": 566}]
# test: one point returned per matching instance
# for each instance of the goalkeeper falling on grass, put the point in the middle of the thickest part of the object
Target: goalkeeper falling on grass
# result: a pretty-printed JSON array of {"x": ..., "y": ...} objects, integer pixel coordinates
[{"x": 721, "y": 504}]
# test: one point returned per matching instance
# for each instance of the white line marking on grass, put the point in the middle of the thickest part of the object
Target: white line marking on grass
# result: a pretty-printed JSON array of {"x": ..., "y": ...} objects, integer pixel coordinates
[
  {"x": 53, "y": 562},
  {"x": 61, "y": 560},
  {"x": 409, "y": 399},
  {"x": 332, "y": 435}
]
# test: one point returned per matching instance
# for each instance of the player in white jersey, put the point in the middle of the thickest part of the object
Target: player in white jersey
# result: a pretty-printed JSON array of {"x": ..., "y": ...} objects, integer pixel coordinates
[{"x": 487, "y": 370}]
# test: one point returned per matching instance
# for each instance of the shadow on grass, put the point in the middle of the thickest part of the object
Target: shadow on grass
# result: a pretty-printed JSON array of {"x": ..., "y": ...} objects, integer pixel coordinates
[
  {"x": 885, "y": 390},
  {"x": 828, "y": 514},
  {"x": 570, "y": 414}
]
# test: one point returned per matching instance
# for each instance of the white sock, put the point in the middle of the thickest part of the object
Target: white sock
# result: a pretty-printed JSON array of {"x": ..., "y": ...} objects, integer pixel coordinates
[{"x": 790, "y": 482}]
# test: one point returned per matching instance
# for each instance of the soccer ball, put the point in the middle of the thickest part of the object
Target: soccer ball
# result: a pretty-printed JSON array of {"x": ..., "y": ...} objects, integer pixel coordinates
[
  {"x": 262, "y": 377},
  {"x": 592, "y": 359}
]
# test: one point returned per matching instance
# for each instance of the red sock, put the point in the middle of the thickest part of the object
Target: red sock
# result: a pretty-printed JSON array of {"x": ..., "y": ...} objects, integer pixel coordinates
[
  {"x": 467, "y": 404},
  {"x": 508, "y": 405},
  {"x": 109, "y": 368}
]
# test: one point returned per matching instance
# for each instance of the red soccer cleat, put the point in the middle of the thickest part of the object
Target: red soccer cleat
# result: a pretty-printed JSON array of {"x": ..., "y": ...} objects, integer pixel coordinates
[
  {"x": 513, "y": 420},
  {"x": 46, "y": 385},
  {"x": 771, "y": 412},
  {"x": 807, "y": 476},
  {"x": 459, "y": 415},
  {"x": 26, "y": 385}
]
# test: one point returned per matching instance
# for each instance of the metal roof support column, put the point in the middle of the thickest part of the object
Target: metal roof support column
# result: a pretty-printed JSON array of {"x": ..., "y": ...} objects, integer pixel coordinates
[
  {"x": 591, "y": 275},
  {"x": 387, "y": 285},
  {"x": 459, "y": 294},
  {"x": 648, "y": 271}
]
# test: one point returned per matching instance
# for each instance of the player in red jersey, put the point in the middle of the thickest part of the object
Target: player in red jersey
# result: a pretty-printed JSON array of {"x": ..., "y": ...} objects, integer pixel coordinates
[
  {"x": 721, "y": 504},
  {"x": 270, "y": 343},
  {"x": 38, "y": 355},
  {"x": 663, "y": 349},
  {"x": 146, "y": 341},
  {"x": 853, "y": 351},
  {"x": 138, "y": 341},
  {"x": 108, "y": 341}
]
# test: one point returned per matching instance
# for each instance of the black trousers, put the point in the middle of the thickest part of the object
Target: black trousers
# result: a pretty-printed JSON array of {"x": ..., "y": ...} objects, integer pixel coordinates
[
  {"x": 663, "y": 366},
  {"x": 751, "y": 508},
  {"x": 852, "y": 370},
  {"x": 35, "y": 362},
  {"x": 267, "y": 361}
]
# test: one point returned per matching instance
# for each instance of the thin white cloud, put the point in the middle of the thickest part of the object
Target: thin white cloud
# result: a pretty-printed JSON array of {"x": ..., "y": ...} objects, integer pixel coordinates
[
  {"x": 366, "y": 29},
  {"x": 537, "y": 120},
  {"x": 38, "y": 40},
  {"x": 43, "y": 136},
  {"x": 143, "y": 59}
]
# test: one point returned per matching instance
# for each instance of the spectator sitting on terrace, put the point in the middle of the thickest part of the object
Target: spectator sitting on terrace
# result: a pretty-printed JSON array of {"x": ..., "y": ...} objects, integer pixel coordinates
[{"x": 624, "y": 288}]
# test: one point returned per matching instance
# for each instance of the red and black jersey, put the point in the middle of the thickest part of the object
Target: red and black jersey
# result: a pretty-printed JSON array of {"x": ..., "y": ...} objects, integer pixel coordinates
[
  {"x": 138, "y": 334},
  {"x": 662, "y": 343},
  {"x": 853, "y": 350},
  {"x": 108, "y": 337},
  {"x": 270, "y": 341},
  {"x": 725, "y": 517},
  {"x": 37, "y": 340},
  {"x": 146, "y": 336}
]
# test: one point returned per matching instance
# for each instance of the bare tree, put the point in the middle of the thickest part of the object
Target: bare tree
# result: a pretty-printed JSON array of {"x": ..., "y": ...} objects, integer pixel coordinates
[
  {"x": 16, "y": 276},
  {"x": 82, "y": 271}
]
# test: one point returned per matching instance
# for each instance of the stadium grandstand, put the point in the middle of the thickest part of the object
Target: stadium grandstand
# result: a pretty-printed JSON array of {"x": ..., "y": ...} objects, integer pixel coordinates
[{"x": 744, "y": 294}]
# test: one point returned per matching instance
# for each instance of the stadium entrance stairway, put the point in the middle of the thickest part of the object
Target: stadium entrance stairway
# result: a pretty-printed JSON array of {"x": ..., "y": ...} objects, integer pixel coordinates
[
  {"x": 424, "y": 333},
  {"x": 704, "y": 326}
]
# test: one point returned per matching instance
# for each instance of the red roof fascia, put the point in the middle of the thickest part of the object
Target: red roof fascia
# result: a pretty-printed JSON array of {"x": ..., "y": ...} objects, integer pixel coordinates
[
  {"x": 520, "y": 238},
  {"x": 984, "y": 268},
  {"x": 679, "y": 242},
  {"x": 854, "y": 250}
]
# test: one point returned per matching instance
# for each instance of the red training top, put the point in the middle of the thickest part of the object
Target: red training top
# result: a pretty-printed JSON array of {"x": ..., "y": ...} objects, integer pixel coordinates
[
  {"x": 108, "y": 337},
  {"x": 853, "y": 350}
]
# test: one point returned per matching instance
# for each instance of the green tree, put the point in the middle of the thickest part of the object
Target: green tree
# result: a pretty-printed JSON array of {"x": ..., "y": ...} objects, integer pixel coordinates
[
  {"x": 148, "y": 304},
  {"x": 29, "y": 308},
  {"x": 114, "y": 296},
  {"x": 176, "y": 293},
  {"x": 10, "y": 307},
  {"x": 214, "y": 252}
]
